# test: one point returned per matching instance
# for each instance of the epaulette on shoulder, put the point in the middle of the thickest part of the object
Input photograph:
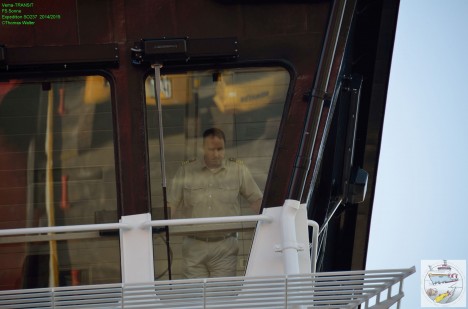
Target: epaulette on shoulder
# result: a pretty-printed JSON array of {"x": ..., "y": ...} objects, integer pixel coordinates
[
  {"x": 236, "y": 160},
  {"x": 188, "y": 161}
]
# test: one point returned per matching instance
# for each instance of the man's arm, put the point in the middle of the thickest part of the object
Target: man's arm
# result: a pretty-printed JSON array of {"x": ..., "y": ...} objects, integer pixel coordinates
[
  {"x": 250, "y": 190},
  {"x": 175, "y": 193},
  {"x": 255, "y": 206}
]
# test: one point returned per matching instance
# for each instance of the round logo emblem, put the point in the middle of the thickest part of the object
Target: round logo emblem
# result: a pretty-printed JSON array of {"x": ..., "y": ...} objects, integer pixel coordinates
[{"x": 443, "y": 283}]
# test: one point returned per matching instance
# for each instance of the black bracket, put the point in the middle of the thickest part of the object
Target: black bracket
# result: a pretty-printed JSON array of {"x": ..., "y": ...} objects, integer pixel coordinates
[
  {"x": 183, "y": 50},
  {"x": 2, "y": 56},
  {"x": 59, "y": 57}
]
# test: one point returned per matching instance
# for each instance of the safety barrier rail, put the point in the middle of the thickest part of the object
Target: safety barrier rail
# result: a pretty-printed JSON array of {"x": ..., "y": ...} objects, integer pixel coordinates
[
  {"x": 64, "y": 229},
  {"x": 53, "y": 231},
  {"x": 117, "y": 226},
  {"x": 375, "y": 289}
]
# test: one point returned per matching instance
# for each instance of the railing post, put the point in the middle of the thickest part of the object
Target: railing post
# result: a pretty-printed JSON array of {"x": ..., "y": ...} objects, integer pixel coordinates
[
  {"x": 288, "y": 236},
  {"x": 314, "y": 246},
  {"x": 136, "y": 247}
]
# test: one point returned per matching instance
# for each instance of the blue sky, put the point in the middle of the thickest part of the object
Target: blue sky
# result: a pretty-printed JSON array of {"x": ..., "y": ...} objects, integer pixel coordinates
[{"x": 420, "y": 207}]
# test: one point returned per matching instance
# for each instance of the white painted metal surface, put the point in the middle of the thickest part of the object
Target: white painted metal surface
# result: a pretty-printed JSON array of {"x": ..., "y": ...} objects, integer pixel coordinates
[
  {"x": 373, "y": 289},
  {"x": 64, "y": 229},
  {"x": 273, "y": 279},
  {"x": 289, "y": 245},
  {"x": 136, "y": 246},
  {"x": 136, "y": 242},
  {"x": 314, "y": 245},
  {"x": 212, "y": 220},
  {"x": 267, "y": 256},
  {"x": 122, "y": 225}
]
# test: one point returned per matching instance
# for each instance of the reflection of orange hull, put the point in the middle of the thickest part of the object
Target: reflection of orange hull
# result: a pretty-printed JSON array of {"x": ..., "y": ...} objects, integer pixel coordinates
[{"x": 12, "y": 212}]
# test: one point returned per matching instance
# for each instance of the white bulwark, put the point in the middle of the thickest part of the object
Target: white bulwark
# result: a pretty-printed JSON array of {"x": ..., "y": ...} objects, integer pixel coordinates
[{"x": 280, "y": 273}]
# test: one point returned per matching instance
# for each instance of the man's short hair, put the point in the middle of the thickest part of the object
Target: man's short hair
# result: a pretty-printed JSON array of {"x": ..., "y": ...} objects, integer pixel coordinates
[{"x": 214, "y": 132}]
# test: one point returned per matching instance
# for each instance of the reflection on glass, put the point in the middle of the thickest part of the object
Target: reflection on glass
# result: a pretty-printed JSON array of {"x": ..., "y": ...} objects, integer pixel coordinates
[
  {"x": 220, "y": 174},
  {"x": 57, "y": 168}
]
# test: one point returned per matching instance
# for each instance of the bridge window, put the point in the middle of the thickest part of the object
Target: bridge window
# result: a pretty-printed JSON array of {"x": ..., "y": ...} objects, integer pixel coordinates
[
  {"x": 219, "y": 175},
  {"x": 57, "y": 168}
]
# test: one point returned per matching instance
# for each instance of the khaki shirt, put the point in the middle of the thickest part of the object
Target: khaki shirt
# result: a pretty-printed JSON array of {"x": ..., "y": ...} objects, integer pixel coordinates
[{"x": 202, "y": 192}]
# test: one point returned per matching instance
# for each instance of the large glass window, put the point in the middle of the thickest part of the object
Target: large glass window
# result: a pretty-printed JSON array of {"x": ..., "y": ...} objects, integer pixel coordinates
[
  {"x": 57, "y": 168},
  {"x": 221, "y": 174}
]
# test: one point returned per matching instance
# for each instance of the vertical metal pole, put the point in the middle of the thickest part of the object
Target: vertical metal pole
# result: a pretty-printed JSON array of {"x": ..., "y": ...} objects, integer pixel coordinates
[
  {"x": 289, "y": 237},
  {"x": 49, "y": 195},
  {"x": 157, "y": 94},
  {"x": 400, "y": 291}
]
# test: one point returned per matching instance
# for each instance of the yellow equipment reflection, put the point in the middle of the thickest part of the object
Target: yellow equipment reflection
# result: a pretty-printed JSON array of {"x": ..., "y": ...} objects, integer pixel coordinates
[
  {"x": 174, "y": 90},
  {"x": 232, "y": 92},
  {"x": 97, "y": 90},
  {"x": 249, "y": 95}
]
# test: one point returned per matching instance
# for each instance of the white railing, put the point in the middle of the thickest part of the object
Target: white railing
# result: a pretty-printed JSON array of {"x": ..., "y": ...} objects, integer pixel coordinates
[
  {"x": 64, "y": 229},
  {"x": 314, "y": 243},
  {"x": 46, "y": 233},
  {"x": 373, "y": 289},
  {"x": 117, "y": 226},
  {"x": 212, "y": 220}
]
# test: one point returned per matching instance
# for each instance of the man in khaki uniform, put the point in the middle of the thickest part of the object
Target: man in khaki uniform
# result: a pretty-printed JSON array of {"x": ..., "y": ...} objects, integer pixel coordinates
[{"x": 212, "y": 187}]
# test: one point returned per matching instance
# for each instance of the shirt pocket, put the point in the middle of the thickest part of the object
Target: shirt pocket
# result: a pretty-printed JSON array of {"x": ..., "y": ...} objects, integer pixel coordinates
[
  {"x": 194, "y": 195},
  {"x": 228, "y": 193}
]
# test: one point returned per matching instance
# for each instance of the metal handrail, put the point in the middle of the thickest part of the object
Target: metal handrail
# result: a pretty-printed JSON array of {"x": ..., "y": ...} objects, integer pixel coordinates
[
  {"x": 64, "y": 229},
  {"x": 210, "y": 220},
  {"x": 160, "y": 223},
  {"x": 314, "y": 244},
  {"x": 117, "y": 226}
]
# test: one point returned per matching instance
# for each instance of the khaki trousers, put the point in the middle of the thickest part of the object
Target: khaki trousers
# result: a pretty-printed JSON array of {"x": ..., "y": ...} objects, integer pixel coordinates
[{"x": 205, "y": 259}]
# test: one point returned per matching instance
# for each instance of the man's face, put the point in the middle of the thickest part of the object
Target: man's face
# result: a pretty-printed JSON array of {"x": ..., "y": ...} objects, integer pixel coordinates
[{"x": 213, "y": 150}]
